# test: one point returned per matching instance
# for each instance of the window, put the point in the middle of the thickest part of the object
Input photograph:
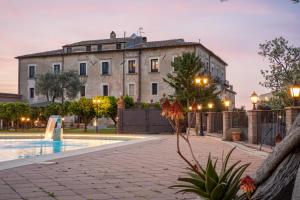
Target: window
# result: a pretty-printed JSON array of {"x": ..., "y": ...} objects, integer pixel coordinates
[
  {"x": 105, "y": 68},
  {"x": 154, "y": 88},
  {"x": 88, "y": 48},
  {"x": 31, "y": 93},
  {"x": 82, "y": 91},
  {"x": 118, "y": 46},
  {"x": 131, "y": 66},
  {"x": 105, "y": 90},
  {"x": 82, "y": 69},
  {"x": 31, "y": 71},
  {"x": 174, "y": 59},
  {"x": 154, "y": 65},
  {"x": 69, "y": 50},
  {"x": 131, "y": 89},
  {"x": 56, "y": 68},
  {"x": 99, "y": 47}
]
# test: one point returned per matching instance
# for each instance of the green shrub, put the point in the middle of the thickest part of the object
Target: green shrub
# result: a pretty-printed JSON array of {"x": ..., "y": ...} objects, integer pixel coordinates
[{"x": 129, "y": 102}]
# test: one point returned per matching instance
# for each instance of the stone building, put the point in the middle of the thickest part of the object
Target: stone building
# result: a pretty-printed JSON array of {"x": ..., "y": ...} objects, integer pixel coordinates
[{"x": 119, "y": 66}]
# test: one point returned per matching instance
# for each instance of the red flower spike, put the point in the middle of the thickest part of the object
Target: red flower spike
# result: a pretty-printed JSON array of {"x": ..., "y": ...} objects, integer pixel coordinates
[
  {"x": 166, "y": 108},
  {"x": 247, "y": 185}
]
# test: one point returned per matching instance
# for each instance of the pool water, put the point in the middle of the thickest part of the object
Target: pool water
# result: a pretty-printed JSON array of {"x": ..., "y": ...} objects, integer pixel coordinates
[{"x": 11, "y": 149}]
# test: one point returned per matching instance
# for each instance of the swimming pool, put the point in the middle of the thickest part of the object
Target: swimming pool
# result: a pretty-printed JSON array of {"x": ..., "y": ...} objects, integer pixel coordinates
[{"x": 11, "y": 149}]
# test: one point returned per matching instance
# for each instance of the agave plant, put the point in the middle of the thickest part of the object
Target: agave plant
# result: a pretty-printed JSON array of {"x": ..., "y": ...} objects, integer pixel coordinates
[{"x": 209, "y": 184}]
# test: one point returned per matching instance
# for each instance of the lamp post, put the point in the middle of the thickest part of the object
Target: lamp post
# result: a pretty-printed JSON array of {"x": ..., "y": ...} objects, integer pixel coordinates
[
  {"x": 254, "y": 99},
  {"x": 201, "y": 81},
  {"x": 295, "y": 93},
  {"x": 28, "y": 122},
  {"x": 22, "y": 121},
  {"x": 97, "y": 103}
]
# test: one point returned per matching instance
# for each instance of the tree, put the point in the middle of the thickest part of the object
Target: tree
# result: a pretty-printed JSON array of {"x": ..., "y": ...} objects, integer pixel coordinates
[
  {"x": 187, "y": 67},
  {"x": 70, "y": 84},
  {"x": 83, "y": 108},
  {"x": 58, "y": 85},
  {"x": 13, "y": 111},
  {"x": 284, "y": 68},
  {"x": 107, "y": 107},
  {"x": 48, "y": 85}
]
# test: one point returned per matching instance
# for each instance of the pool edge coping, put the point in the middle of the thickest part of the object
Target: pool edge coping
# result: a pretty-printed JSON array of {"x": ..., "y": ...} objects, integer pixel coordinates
[{"x": 40, "y": 159}]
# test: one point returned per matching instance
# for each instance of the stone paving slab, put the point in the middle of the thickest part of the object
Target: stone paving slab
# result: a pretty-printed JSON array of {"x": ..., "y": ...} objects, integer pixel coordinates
[{"x": 134, "y": 172}]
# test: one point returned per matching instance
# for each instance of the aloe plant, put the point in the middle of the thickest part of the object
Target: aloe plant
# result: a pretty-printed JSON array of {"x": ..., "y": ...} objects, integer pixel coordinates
[{"x": 209, "y": 184}]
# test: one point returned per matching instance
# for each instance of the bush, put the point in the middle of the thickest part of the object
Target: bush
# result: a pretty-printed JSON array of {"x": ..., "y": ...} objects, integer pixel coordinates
[{"x": 129, "y": 102}]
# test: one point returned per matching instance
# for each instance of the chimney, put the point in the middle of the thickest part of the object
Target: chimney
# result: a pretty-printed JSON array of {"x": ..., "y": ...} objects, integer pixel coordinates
[{"x": 113, "y": 35}]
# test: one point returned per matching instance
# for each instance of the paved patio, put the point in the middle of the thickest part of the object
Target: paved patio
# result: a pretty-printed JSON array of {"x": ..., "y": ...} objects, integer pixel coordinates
[{"x": 134, "y": 172}]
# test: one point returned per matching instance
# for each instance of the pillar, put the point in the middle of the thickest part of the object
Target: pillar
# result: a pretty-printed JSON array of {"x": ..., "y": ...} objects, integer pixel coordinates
[
  {"x": 227, "y": 122},
  {"x": 210, "y": 122},
  {"x": 252, "y": 126},
  {"x": 1, "y": 123},
  {"x": 291, "y": 114}
]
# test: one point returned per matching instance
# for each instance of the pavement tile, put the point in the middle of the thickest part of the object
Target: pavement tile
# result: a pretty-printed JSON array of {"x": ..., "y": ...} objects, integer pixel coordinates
[{"x": 134, "y": 172}]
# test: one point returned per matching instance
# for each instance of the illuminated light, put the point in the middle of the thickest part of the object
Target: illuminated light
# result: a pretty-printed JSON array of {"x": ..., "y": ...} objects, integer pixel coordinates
[
  {"x": 210, "y": 105},
  {"x": 199, "y": 107}
]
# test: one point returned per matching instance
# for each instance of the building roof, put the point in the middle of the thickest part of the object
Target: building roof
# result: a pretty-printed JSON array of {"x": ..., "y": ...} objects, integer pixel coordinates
[
  {"x": 9, "y": 97},
  {"x": 96, "y": 42},
  {"x": 143, "y": 45}
]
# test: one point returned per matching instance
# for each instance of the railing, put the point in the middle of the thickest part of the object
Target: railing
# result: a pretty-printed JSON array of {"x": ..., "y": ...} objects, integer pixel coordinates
[{"x": 271, "y": 127}]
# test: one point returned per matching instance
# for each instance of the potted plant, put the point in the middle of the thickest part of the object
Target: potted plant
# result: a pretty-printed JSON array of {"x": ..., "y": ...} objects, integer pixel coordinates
[{"x": 236, "y": 135}]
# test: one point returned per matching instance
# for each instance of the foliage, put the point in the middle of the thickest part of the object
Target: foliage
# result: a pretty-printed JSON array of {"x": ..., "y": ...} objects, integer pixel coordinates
[
  {"x": 284, "y": 68},
  {"x": 145, "y": 105},
  {"x": 187, "y": 68},
  {"x": 48, "y": 85},
  {"x": 70, "y": 84},
  {"x": 210, "y": 184},
  {"x": 52, "y": 109},
  {"x": 107, "y": 107},
  {"x": 13, "y": 111},
  {"x": 129, "y": 102},
  {"x": 58, "y": 85},
  {"x": 83, "y": 108}
]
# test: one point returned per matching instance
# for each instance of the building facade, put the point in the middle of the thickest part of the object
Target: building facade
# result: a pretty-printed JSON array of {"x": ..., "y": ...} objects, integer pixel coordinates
[{"x": 119, "y": 66}]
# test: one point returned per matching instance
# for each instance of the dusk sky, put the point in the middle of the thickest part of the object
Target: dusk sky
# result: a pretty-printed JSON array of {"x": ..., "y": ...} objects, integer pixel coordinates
[{"x": 232, "y": 29}]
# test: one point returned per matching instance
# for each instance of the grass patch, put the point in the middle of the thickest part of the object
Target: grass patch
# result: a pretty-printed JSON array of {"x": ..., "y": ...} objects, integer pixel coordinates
[{"x": 66, "y": 131}]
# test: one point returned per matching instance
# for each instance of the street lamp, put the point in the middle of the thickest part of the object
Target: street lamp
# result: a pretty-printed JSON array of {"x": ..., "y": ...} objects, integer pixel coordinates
[
  {"x": 97, "y": 103},
  {"x": 295, "y": 92},
  {"x": 254, "y": 99},
  {"x": 201, "y": 81},
  {"x": 226, "y": 104},
  {"x": 210, "y": 105}
]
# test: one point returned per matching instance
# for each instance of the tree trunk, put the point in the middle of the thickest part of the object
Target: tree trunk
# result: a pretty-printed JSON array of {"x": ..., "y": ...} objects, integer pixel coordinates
[
  {"x": 280, "y": 185},
  {"x": 85, "y": 126}
]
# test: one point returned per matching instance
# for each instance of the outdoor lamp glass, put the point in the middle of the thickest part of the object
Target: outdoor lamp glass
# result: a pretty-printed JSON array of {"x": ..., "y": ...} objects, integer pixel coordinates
[
  {"x": 295, "y": 90},
  {"x": 198, "y": 80},
  {"x": 28, "y": 119},
  {"x": 227, "y": 103},
  {"x": 254, "y": 99},
  {"x": 205, "y": 81},
  {"x": 199, "y": 107},
  {"x": 190, "y": 108},
  {"x": 23, "y": 119},
  {"x": 210, "y": 105}
]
